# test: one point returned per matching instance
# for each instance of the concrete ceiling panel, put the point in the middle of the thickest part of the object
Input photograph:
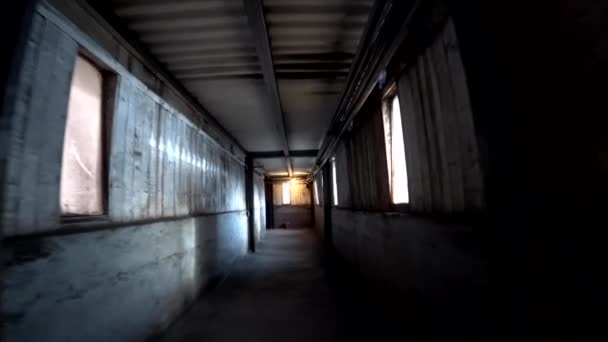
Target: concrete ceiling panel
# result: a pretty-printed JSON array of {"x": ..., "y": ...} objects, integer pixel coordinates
[
  {"x": 242, "y": 107},
  {"x": 309, "y": 106},
  {"x": 273, "y": 166},
  {"x": 303, "y": 164},
  {"x": 208, "y": 46}
]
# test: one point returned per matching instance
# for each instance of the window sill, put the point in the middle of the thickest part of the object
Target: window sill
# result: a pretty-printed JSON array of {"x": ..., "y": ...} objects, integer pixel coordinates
[
  {"x": 69, "y": 220},
  {"x": 400, "y": 210},
  {"x": 71, "y": 225},
  {"x": 405, "y": 207}
]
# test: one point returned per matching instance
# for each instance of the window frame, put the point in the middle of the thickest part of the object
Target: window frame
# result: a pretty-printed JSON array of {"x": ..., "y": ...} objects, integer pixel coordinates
[
  {"x": 109, "y": 90},
  {"x": 388, "y": 95}
]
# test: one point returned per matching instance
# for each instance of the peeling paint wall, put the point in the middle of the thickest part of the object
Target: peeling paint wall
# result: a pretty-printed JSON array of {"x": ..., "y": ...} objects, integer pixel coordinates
[
  {"x": 433, "y": 270},
  {"x": 176, "y": 214}
]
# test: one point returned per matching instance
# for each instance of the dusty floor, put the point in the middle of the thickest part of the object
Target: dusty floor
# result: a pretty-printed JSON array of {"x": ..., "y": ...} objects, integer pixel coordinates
[{"x": 279, "y": 293}]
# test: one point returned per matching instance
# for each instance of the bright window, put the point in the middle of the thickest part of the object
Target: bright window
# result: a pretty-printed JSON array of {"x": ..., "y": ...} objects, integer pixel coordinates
[
  {"x": 82, "y": 167},
  {"x": 395, "y": 151},
  {"x": 287, "y": 193},
  {"x": 316, "y": 191},
  {"x": 334, "y": 181}
]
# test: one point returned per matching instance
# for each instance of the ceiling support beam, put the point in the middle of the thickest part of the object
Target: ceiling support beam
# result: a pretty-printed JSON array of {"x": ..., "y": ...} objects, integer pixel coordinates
[
  {"x": 257, "y": 25},
  {"x": 278, "y": 179},
  {"x": 280, "y": 154}
]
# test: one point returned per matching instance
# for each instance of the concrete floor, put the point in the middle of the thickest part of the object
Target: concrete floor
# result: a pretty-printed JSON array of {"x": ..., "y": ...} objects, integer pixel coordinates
[{"x": 280, "y": 293}]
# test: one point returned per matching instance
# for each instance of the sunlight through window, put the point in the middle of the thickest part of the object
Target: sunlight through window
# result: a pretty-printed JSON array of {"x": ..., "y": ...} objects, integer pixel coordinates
[
  {"x": 334, "y": 181},
  {"x": 286, "y": 193},
  {"x": 81, "y": 172},
  {"x": 395, "y": 150}
]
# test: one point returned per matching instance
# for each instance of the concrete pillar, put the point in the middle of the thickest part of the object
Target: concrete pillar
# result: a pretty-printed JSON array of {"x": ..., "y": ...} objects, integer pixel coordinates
[
  {"x": 16, "y": 19},
  {"x": 269, "y": 206},
  {"x": 249, "y": 201},
  {"x": 327, "y": 206}
]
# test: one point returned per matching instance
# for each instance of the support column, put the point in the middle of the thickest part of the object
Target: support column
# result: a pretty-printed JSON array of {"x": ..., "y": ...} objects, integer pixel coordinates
[
  {"x": 269, "y": 206},
  {"x": 17, "y": 20},
  {"x": 328, "y": 240},
  {"x": 249, "y": 203}
]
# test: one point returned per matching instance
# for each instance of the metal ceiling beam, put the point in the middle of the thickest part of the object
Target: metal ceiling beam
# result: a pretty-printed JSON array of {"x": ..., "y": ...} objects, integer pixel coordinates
[
  {"x": 194, "y": 36},
  {"x": 325, "y": 18},
  {"x": 306, "y": 75},
  {"x": 150, "y": 25},
  {"x": 227, "y": 62},
  {"x": 277, "y": 179},
  {"x": 257, "y": 24},
  {"x": 195, "y": 45},
  {"x": 360, "y": 9},
  {"x": 143, "y": 8},
  {"x": 323, "y": 56},
  {"x": 208, "y": 53},
  {"x": 279, "y": 154},
  {"x": 313, "y": 66}
]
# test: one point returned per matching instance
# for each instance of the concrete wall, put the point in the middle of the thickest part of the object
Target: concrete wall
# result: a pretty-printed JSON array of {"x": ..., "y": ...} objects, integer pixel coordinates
[
  {"x": 548, "y": 213},
  {"x": 116, "y": 285},
  {"x": 161, "y": 163},
  {"x": 434, "y": 269},
  {"x": 426, "y": 268},
  {"x": 317, "y": 209},
  {"x": 293, "y": 216},
  {"x": 297, "y": 214},
  {"x": 176, "y": 188},
  {"x": 319, "y": 220}
]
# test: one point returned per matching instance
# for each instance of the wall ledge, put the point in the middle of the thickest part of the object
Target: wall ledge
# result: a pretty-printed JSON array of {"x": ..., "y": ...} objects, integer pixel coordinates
[
  {"x": 85, "y": 227},
  {"x": 454, "y": 218}
]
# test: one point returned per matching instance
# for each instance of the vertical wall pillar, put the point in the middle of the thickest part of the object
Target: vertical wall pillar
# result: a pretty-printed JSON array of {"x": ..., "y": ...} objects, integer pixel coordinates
[
  {"x": 17, "y": 19},
  {"x": 312, "y": 203},
  {"x": 249, "y": 200},
  {"x": 327, "y": 203},
  {"x": 269, "y": 206}
]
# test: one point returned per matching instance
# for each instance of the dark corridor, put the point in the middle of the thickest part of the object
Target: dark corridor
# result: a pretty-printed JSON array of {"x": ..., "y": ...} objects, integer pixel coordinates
[
  {"x": 327, "y": 170},
  {"x": 290, "y": 290},
  {"x": 279, "y": 293}
]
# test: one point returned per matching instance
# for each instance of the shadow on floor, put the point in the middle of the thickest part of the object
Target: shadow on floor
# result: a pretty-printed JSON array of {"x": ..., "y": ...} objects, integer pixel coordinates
[{"x": 291, "y": 291}]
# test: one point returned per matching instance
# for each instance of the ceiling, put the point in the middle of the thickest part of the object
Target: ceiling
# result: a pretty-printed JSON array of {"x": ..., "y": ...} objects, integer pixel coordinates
[{"x": 210, "y": 46}]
